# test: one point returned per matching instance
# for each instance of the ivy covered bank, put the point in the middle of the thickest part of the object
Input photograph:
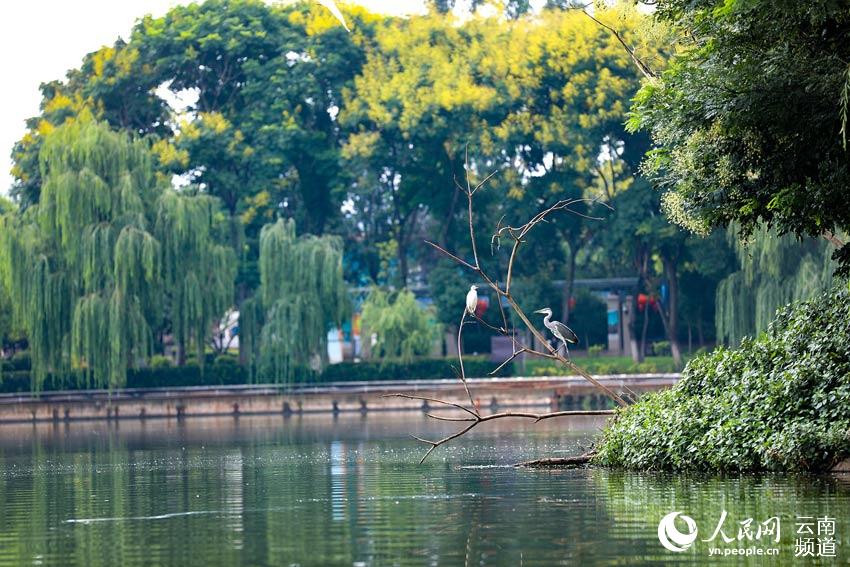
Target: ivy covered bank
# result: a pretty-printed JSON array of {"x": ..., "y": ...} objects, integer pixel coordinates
[{"x": 778, "y": 402}]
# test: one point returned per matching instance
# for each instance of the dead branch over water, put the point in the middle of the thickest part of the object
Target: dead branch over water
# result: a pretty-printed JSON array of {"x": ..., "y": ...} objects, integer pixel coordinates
[{"x": 516, "y": 236}]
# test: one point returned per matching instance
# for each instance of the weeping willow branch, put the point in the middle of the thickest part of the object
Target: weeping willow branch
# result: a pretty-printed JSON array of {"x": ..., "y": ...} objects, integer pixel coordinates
[
  {"x": 106, "y": 256},
  {"x": 302, "y": 294},
  {"x": 773, "y": 270}
]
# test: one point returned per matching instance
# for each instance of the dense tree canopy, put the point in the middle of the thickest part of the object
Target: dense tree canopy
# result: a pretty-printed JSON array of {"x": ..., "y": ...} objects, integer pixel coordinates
[
  {"x": 750, "y": 117},
  {"x": 260, "y": 116}
]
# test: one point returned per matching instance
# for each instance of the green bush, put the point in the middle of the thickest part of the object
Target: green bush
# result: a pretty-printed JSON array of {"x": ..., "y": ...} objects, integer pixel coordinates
[
  {"x": 19, "y": 361},
  {"x": 225, "y": 370},
  {"x": 778, "y": 402},
  {"x": 189, "y": 375},
  {"x": 428, "y": 368},
  {"x": 661, "y": 348},
  {"x": 15, "y": 381},
  {"x": 604, "y": 365},
  {"x": 403, "y": 328},
  {"x": 160, "y": 361}
]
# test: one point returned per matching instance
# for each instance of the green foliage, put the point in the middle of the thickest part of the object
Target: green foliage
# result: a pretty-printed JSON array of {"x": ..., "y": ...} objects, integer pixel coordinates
[
  {"x": 160, "y": 361},
  {"x": 302, "y": 294},
  {"x": 589, "y": 319},
  {"x": 449, "y": 285},
  {"x": 419, "y": 369},
  {"x": 601, "y": 365},
  {"x": 198, "y": 272},
  {"x": 402, "y": 328},
  {"x": 226, "y": 371},
  {"x": 661, "y": 348},
  {"x": 364, "y": 134},
  {"x": 778, "y": 402},
  {"x": 87, "y": 267},
  {"x": 774, "y": 270},
  {"x": 730, "y": 147}
]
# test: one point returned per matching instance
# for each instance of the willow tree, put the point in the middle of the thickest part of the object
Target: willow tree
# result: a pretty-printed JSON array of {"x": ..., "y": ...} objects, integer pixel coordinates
[
  {"x": 302, "y": 295},
  {"x": 87, "y": 270},
  {"x": 402, "y": 328},
  {"x": 198, "y": 273},
  {"x": 774, "y": 271}
]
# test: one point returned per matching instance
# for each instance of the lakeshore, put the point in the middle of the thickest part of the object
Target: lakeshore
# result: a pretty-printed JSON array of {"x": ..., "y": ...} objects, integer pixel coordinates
[{"x": 564, "y": 392}]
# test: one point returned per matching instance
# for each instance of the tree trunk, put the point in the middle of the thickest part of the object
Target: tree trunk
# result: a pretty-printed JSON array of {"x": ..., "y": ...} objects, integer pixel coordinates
[
  {"x": 690, "y": 338},
  {"x": 241, "y": 292},
  {"x": 457, "y": 171},
  {"x": 402, "y": 263},
  {"x": 181, "y": 354},
  {"x": 568, "y": 286},
  {"x": 673, "y": 312},
  {"x": 451, "y": 340},
  {"x": 642, "y": 352},
  {"x": 633, "y": 332},
  {"x": 700, "y": 336}
]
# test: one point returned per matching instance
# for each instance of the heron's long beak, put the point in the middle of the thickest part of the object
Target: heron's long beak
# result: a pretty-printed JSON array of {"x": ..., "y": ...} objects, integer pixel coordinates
[{"x": 541, "y": 311}]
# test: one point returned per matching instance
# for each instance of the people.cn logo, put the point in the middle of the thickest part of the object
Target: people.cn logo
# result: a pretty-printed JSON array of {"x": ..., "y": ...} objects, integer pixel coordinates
[{"x": 671, "y": 538}]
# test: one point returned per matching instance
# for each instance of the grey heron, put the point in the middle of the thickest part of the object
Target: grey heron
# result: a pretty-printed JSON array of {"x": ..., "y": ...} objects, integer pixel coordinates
[
  {"x": 561, "y": 331},
  {"x": 472, "y": 300}
]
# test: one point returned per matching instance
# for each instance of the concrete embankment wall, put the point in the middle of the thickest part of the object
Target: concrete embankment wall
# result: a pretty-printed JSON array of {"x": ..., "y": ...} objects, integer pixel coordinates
[{"x": 545, "y": 393}]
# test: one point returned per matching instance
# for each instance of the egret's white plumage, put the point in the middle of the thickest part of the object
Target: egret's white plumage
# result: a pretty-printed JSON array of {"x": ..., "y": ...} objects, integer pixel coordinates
[
  {"x": 331, "y": 5},
  {"x": 472, "y": 299},
  {"x": 561, "y": 331}
]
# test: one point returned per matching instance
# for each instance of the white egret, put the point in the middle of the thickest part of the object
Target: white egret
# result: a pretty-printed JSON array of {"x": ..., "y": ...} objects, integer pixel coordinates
[
  {"x": 472, "y": 300},
  {"x": 561, "y": 331}
]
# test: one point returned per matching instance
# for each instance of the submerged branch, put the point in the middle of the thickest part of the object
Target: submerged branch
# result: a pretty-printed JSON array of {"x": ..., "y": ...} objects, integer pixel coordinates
[{"x": 576, "y": 461}]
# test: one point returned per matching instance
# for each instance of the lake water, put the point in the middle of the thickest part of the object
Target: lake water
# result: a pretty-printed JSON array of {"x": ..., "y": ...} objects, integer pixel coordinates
[{"x": 349, "y": 491}]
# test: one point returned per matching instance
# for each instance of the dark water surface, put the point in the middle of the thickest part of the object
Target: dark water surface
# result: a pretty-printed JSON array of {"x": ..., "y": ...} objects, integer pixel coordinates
[{"x": 350, "y": 491}]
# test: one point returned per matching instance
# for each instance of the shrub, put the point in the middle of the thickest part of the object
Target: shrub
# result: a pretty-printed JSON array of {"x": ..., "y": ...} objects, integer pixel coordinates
[
  {"x": 595, "y": 350},
  {"x": 778, "y": 402},
  {"x": 604, "y": 365},
  {"x": 15, "y": 381},
  {"x": 226, "y": 371},
  {"x": 428, "y": 368},
  {"x": 404, "y": 329},
  {"x": 19, "y": 361},
  {"x": 160, "y": 361},
  {"x": 661, "y": 348}
]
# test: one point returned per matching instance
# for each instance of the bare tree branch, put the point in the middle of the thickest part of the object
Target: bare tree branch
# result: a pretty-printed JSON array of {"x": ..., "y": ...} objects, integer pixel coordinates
[
  {"x": 474, "y": 421},
  {"x": 435, "y": 400},
  {"x": 647, "y": 72},
  {"x": 518, "y": 234},
  {"x": 460, "y": 360}
]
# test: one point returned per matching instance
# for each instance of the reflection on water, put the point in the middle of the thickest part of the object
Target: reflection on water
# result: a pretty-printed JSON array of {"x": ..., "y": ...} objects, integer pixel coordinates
[{"x": 319, "y": 491}]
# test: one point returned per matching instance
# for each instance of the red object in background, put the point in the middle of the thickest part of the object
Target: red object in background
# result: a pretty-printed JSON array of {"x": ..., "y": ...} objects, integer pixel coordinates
[
  {"x": 483, "y": 304},
  {"x": 572, "y": 303},
  {"x": 653, "y": 302},
  {"x": 642, "y": 298}
]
